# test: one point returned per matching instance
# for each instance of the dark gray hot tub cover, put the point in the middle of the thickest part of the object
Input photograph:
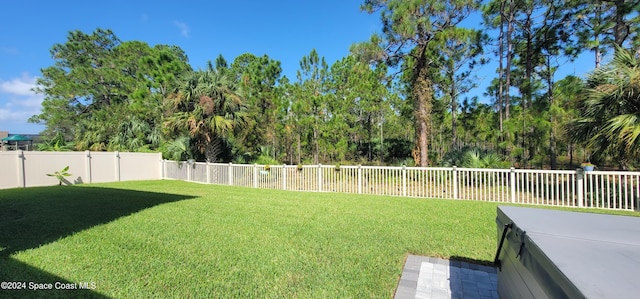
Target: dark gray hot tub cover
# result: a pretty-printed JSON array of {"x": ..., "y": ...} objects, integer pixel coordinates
[{"x": 576, "y": 254}]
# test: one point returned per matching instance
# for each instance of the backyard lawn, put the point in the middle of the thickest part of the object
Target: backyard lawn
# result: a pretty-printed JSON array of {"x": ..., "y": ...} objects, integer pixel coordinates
[{"x": 177, "y": 239}]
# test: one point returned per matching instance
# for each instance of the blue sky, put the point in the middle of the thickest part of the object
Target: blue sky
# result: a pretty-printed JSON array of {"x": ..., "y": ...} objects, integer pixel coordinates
[{"x": 285, "y": 30}]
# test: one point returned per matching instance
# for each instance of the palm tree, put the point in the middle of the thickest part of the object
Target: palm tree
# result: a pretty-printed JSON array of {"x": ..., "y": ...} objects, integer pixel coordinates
[
  {"x": 209, "y": 107},
  {"x": 57, "y": 144},
  {"x": 609, "y": 122}
]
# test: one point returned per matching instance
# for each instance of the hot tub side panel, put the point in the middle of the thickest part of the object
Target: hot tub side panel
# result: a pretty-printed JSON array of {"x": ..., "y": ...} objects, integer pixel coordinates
[
  {"x": 526, "y": 272},
  {"x": 514, "y": 280}
]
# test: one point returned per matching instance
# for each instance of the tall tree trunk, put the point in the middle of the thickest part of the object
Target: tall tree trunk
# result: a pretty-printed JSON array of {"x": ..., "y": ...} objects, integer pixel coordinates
[
  {"x": 381, "y": 145},
  {"x": 299, "y": 148},
  {"x": 422, "y": 93},
  {"x": 501, "y": 68},
  {"x": 553, "y": 151},
  {"x": 510, "y": 19},
  {"x": 620, "y": 28},
  {"x": 596, "y": 49},
  {"x": 528, "y": 145},
  {"x": 570, "y": 155},
  {"x": 369, "y": 138},
  {"x": 597, "y": 53},
  {"x": 316, "y": 147},
  {"x": 454, "y": 109},
  {"x": 507, "y": 83}
]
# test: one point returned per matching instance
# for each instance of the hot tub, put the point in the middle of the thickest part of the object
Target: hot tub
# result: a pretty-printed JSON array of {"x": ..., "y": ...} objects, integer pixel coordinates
[{"x": 559, "y": 254}]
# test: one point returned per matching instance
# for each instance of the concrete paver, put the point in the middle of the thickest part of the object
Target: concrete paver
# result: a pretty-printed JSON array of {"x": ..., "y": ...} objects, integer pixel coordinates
[{"x": 433, "y": 278}]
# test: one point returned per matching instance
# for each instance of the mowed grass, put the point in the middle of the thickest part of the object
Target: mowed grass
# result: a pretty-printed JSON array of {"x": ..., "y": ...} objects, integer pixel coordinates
[{"x": 178, "y": 239}]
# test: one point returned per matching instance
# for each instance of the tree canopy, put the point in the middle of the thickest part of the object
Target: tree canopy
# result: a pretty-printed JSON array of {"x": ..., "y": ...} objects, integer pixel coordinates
[{"x": 408, "y": 95}]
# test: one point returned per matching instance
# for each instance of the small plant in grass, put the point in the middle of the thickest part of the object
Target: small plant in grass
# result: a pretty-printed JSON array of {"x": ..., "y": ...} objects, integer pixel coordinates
[{"x": 60, "y": 175}]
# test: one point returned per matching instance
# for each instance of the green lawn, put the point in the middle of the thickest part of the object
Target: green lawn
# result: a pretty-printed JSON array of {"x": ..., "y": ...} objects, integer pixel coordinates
[{"x": 177, "y": 239}]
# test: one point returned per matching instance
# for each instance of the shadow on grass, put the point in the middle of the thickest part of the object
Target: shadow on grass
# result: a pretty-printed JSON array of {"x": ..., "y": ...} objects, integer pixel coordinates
[
  {"x": 25, "y": 279},
  {"x": 32, "y": 217}
]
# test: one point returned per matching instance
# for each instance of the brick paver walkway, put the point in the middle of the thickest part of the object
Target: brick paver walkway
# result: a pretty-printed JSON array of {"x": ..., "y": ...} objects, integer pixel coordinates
[{"x": 427, "y": 277}]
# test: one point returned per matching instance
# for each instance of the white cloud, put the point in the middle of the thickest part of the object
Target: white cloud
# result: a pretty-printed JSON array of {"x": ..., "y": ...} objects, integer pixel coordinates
[
  {"x": 18, "y": 102},
  {"x": 184, "y": 28},
  {"x": 12, "y": 114},
  {"x": 19, "y": 86}
]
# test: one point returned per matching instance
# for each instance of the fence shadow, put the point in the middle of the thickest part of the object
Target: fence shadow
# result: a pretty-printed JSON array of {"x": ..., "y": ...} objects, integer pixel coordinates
[{"x": 32, "y": 217}]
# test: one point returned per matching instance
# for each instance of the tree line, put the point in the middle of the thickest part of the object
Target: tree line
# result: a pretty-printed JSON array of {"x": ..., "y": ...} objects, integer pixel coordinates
[{"x": 400, "y": 98}]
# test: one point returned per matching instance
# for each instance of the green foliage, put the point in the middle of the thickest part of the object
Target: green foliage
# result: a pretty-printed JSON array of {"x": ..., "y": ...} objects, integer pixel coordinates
[
  {"x": 608, "y": 124},
  {"x": 601, "y": 26},
  {"x": 266, "y": 156},
  {"x": 209, "y": 107},
  {"x": 474, "y": 158},
  {"x": 107, "y": 94},
  {"x": 401, "y": 95},
  {"x": 265, "y": 160},
  {"x": 257, "y": 78},
  {"x": 178, "y": 149},
  {"x": 57, "y": 144},
  {"x": 338, "y": 113},
  {"x": 310, "y": 107},
  {"x": 239, "y": 159},
  {"x": 410, "y": 28},
  {"x": 60, "y": 175}
]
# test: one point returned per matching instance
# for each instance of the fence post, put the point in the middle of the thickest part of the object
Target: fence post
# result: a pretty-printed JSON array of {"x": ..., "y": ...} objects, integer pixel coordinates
[
  {"x": 208, "y": 172},
  {"x": 580, "y": 186},
  {"x": 512, "y": 181},
  {"x": 161, "y": 166},
  {"x": 284, "y": 176},
  {"x": 87, "y": 166},
  {"x": 189, "y": 163},
  {"x": 22, "y": 180},
  {"x": 404, "y": 180},
  {"x": 359, "y": 179},
  {"x": 230, "y": 174},
  {"x": 117, "y": 166},
  {"x": 162, "y": 169},
  {"x": 255, "y": 175},
  {"x": 319, "y": 177},
  {"x": 455, "y": 182}
]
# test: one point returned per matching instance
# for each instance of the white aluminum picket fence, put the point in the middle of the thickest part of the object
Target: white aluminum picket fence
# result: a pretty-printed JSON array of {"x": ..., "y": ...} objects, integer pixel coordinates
[{"x": 568, "y": 188}]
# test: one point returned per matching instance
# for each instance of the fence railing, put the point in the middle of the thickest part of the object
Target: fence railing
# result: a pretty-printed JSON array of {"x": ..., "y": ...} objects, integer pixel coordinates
[{"x": 569, "y": 188}]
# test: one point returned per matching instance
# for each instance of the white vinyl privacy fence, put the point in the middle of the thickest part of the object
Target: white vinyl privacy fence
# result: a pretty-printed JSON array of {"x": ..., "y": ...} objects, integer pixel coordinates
[
  {"x": 30, "y": 168},
  {"x": 570, "y": 188}
]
